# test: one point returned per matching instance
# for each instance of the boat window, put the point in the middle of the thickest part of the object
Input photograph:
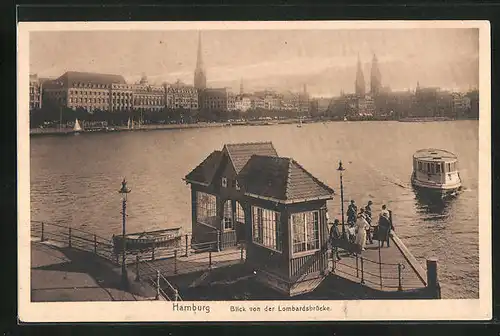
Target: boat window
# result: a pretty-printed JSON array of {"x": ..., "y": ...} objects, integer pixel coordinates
[
  {"x": 438, "y": 168},
  {"x": 420, "y": 166},
  {"x": 449, "y": 167},
  {"x": 432, "y": 168}
]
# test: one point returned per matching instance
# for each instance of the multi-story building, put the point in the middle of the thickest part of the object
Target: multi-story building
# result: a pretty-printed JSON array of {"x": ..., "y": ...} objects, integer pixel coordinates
[
  {"x": 257, "y": 102},
  {"x": 303, "y": 102},
  {"x": 86, "y": 90},
  {"x": 366, "y": 106},
  {"x": 121, "y": 97},
  {"x": 148, "y": 97},
  {"x": 243, "y": 102},
  {"x": 35, "y": 92},
  {"x": 181, "y": 96},
  {"x": 213, "y": 99}
]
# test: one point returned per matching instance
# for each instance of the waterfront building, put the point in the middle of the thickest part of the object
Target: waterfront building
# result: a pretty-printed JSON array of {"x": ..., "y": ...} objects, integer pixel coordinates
[
  {"x": 181, "y": 96},
  {"x": 217, "y": 99},
  {"x": 200, "y": 78},
  {"x": 148, "y": 97},
  {"x": 366, "y": 106},
  {"x": 303, "y": 102},
  {"x": 247, "y": 193},
  {"x": 35, "y": 92},
  {"x": 359, "y": 84},
  {"x": 121, "y": 97},
  {"x": 86, "y": 90},
  {"x": 243, "y": 102},
  {"x": 461, "y": 103}
]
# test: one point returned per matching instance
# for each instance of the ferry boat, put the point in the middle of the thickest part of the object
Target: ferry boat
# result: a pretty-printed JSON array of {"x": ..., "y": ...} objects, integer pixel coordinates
[{"x": 436, "y": 170}]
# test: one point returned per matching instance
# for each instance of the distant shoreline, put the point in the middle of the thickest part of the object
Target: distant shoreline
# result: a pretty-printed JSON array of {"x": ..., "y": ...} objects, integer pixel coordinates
[{"x": 69, "y": 131}]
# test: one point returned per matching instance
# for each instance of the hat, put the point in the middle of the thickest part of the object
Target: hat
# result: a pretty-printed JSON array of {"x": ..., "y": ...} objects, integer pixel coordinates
[
  {"x": 336, "y": 221},
  {"x": 352, "y": 201},
  {"x": 370, "y": 202}
]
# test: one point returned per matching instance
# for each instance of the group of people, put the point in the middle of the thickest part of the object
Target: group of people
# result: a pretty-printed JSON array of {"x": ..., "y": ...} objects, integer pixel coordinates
[{"x": 361, "y": 229}]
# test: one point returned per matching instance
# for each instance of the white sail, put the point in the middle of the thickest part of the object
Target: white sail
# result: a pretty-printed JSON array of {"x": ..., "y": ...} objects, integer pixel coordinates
[
  {"x": 128, "y": 123},
  {"x": 77, "y": 127}
]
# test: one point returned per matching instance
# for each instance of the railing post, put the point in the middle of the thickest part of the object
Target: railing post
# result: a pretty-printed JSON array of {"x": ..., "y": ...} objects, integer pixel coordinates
[
  {"x": 357, "y": 267},
  {"x": 187, "y": 246},
  {"x": 153, "y": 252},
  {"x": 400, "y": 286},
  {"x": 241, "y": 253},
  {"x": 42, "y": 237},
  {"x": 218, "y": 240},
  {"x": 137, "y": 276},
  {"x": 176, "y": 293},
  {"x": 95, "y": 244},
  {"x": 362, "y": 271},
  {"x": 157, "y": 285},
  {"x": 210, "y": 260},
  {"x": 69, "y": 237},
  {"x": 175, "y": 261}
]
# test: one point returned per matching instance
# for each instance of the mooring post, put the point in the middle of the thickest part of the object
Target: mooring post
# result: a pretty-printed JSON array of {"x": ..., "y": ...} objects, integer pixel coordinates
[
  {"x": 157, "y": 284},
  {"x": 137, "y": 276},
  {"x": 95, "y": 244},
  {"x": 176, "y": 293},
  {"x": 153, "y": 252},
  {"x": 42, "y": 237},
  {"x": 69, "y": 237},
  {"x": 362, "y": 271},
  {"x": 241, "y": 253},
  {"x": 400, "y": 285},
  {"x": 432, "y": 278},
  {"x": 175, "y": 261},
  {"x": 209, "y": 259},
  {"x": 187, "y": 246}
]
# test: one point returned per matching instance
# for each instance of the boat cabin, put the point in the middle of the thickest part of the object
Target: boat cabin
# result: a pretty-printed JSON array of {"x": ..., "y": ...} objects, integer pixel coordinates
[
  {"x": 435, "y": 169},
  {"x": 246, "y": 193}
]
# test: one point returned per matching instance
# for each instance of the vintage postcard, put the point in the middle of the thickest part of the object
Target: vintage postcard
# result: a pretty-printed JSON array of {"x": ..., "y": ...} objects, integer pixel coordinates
[{"x": 254, "y": 171}]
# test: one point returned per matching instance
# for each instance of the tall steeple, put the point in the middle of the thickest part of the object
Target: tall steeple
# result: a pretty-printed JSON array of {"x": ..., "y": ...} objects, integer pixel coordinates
[
  {"x": 376, "y": 78},
  {"x": 200, "y": 79},
  {"x": 360, "y": 86}
]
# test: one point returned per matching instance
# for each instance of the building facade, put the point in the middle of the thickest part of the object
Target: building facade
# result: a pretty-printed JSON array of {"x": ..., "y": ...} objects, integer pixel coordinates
[
  {"x": 90, "y": 91},
  {"x": 214, "y": 99},
  {"x": 35, "y": 92},
  {"x": 181, "y": 96},
  {"x": 148, "y": 97},
  {"x": 242, "y": 103},
  {"x": 121, "y": 97}
]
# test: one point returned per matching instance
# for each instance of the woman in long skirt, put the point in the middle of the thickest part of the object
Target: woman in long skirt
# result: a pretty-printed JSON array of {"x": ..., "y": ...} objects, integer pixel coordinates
[{"x": 361, "y": 227}]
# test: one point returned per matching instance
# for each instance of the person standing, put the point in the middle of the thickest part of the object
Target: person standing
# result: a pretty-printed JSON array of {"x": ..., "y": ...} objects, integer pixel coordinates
[
  {"x": 352, "y": 211},
  {"x": 334, "y": 238},
  {"x": 384, "y": 226},
  {"x": 361, "y": 227}
]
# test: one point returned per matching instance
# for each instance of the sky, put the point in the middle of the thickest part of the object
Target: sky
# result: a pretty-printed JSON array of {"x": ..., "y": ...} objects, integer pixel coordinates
[{"x": 324, "y": 60}]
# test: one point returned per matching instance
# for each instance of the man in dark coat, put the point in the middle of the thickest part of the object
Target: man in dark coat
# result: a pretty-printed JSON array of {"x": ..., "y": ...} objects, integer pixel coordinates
[
  {"x": 335, "y": 236},
  {"x": 368, "y": 217},
  {"x": 352, "y": 213}
]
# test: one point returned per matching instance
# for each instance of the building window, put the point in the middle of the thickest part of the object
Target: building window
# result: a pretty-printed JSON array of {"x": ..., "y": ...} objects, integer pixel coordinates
[
  {"x": 228, "y": 216},
  {"x": 224, "y": 182},
  {"x": 206, "y": 208},
  {"x": 266, "y": 228},
  {"x": 438, "y": 168},
  {"x": 305, "y": 231},
  {"x": 239, "y": 213}
]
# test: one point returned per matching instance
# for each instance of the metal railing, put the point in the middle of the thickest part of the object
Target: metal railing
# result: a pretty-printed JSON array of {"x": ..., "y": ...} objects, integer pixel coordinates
[{"x": 383, "y": 275}]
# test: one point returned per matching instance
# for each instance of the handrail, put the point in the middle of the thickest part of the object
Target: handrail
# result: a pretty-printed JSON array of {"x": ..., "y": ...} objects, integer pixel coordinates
[{"x": 69, "y": 227}]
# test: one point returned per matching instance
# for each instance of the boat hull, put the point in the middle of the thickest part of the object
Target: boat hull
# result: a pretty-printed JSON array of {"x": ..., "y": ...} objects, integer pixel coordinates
[
  {"x": 432, "y": 187},
  {"x": 147, "y": 241}
]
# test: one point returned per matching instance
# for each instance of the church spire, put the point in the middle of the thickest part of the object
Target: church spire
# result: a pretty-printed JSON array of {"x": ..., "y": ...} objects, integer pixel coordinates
[
  {"x": 200, "y": 79},
  {"x": 360, "y": 86}
]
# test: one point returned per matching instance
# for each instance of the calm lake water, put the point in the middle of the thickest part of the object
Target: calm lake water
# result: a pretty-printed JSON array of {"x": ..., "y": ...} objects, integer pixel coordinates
[{"x": 75, "y": 180}]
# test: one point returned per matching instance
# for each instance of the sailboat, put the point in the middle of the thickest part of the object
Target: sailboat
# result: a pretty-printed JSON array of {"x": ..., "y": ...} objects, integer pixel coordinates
[
  {"x": 128, "y": 123},
  {"x": 300, "y": 122},
  {"x": 77, "y": 128}
]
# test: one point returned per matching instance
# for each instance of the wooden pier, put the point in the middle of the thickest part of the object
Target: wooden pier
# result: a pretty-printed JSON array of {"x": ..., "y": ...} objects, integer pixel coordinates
[{"x": 393, "y": 274}]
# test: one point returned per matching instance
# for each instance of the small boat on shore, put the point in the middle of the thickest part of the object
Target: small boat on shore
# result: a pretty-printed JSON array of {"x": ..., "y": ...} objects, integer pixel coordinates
[
  {"x": 147, "y": 240},
  {"x": 436, "y": 170}
]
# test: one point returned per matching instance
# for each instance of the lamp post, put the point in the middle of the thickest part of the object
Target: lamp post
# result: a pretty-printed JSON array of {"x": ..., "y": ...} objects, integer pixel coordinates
[
  {"x": 341, "y": 169},
  {"x": 124, "y": 191}
]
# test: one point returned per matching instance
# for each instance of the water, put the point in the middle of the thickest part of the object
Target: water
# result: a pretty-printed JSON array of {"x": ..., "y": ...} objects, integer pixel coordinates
[{"x": 75, "y": 180}]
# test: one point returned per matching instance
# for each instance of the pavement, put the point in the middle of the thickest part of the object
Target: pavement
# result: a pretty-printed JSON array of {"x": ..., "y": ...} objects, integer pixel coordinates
[{"x": 59, "y": 274}]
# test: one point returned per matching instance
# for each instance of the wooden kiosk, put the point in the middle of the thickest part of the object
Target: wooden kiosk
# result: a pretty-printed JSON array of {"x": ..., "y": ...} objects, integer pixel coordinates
[{"x": 246, "y": 193}]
